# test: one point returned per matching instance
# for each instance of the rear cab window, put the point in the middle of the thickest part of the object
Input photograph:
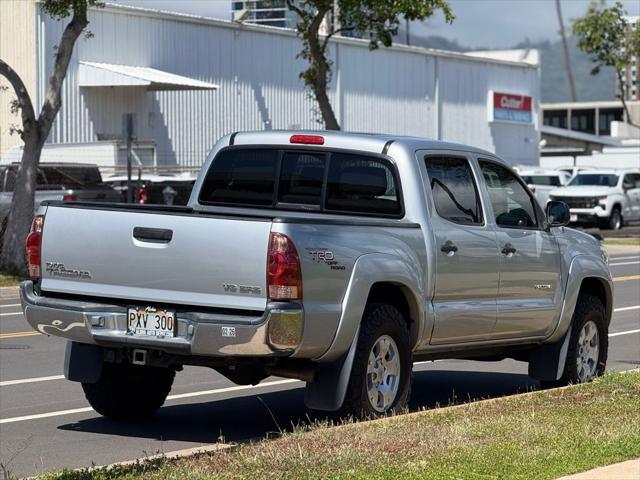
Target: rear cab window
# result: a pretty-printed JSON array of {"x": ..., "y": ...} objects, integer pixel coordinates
[
  {"x": 290, "y": 179},
  {"x": 543, "y": 180}
]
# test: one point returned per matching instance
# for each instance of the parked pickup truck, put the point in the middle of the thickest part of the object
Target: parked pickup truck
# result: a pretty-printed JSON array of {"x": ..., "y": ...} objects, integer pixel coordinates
[{"x": 334, "y": 258}]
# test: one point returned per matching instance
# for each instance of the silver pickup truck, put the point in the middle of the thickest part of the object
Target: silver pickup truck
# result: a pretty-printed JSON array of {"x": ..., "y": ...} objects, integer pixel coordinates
[{"x": 334, "y": 258}]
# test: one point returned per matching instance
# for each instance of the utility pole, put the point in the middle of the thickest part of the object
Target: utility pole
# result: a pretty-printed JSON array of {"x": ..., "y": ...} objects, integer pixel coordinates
[
  {"x": 565, "y": 47},
  {"x": 408, "y": 37},
  {"x": 128, "y": 136}
]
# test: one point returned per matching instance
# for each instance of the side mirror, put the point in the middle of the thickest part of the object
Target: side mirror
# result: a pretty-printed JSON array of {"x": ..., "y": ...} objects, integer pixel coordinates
[{"x": 558, "y": 213}]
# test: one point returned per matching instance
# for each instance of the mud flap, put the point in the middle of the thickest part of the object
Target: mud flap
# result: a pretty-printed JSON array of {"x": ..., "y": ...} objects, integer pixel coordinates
[
  {"x": 82, "y": 362},
  {"x": 329, "y": 386},
  {"x": 546, "y": 363}
]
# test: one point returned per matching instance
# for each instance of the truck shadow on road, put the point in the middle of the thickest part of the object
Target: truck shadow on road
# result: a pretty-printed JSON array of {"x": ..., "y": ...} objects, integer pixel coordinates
[{"x": 241, "y": 419}]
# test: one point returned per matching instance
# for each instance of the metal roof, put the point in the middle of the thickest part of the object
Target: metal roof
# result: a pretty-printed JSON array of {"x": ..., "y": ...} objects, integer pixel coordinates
[{"x": 93, "y": 74}]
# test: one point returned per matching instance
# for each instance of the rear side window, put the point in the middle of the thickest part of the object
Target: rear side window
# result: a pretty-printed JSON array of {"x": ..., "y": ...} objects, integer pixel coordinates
[
  {"x": 454, "y": 190},
  {"x": 545, "y": 180},
  {"x": 10, "y": 180},
  {"x": 302, "y": 180},
  {"x": 361, "y": 184}
]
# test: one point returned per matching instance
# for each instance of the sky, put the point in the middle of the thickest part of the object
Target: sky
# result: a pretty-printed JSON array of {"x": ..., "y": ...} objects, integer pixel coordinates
[{"x": 478, "y": 23}]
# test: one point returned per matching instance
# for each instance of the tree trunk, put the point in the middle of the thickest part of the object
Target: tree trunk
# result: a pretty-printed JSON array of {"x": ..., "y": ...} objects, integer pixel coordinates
[
  {"x": 12, "y": 259},
  {"x": 565, "y": 49},
  {"x": 319, "y": 68},
  {"x": 34, "y": 134},
  {"x": 623, "y": 93}
]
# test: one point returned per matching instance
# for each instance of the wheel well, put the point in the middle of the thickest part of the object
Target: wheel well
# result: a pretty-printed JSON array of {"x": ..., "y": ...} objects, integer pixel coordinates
[
  {"x": 400, "y": 297},
  {"x": 599, "y": 289}
]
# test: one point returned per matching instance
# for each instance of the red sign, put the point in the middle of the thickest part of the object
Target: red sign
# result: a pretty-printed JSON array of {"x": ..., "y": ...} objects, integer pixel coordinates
[{"x": 509, "y": 101}]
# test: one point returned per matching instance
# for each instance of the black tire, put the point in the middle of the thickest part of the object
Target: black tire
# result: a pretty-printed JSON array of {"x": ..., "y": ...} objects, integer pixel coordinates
[
  {"x": 129, "y": 392},
  {"x": 379, "y": 319},
  {"x": 615, "y": 221},
  {"x": 588, "y": 309}
]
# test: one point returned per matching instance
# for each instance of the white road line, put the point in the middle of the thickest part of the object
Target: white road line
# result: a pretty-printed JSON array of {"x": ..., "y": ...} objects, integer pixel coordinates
[
  {"x": 60, "y": 413},
  {"x": 6, "y": 383},
  {"x": 634, "y": 257},
  {"x": 624, "y": 263},
  {"x": 15, "y": 314},
  {"x": 624, "y": 309},
  {"x": 628, "y": 332},
  {"x": 12, "y": 305}
]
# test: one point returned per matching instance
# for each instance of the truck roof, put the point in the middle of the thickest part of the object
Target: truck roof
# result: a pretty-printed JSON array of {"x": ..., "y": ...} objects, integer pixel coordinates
[{"x": 367, "y": 142}]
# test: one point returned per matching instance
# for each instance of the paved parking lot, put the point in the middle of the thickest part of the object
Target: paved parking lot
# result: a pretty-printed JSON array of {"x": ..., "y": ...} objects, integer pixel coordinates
[{"x": 46, "y": 423}]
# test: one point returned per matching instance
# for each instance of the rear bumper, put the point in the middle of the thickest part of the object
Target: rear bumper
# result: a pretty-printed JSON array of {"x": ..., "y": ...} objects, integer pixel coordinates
[{"x": 277, "y": 332}]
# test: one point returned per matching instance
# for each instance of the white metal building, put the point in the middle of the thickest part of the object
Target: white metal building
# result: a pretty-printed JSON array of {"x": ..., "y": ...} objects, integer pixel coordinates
[{"x": 190, "y": 80}]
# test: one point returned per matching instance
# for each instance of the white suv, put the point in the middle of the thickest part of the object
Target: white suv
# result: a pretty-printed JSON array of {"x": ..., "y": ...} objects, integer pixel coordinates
[
  {"x": 542, "y": 181},
  {"x": 605, "y": 197}
]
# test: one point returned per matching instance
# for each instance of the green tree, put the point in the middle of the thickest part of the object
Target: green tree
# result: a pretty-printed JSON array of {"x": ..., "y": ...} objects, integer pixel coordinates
[
  {"x": 604, "y": 33},
  {"x": 35, "y": 129},
  {"x": 378, "y": 20}
]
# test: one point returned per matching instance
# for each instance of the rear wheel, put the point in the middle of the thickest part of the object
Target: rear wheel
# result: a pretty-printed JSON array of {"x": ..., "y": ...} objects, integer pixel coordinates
[
  {"x": 380, "y": 380},
  {"x": 129, "y": 392},
  {"x": 588, "y": 344}
]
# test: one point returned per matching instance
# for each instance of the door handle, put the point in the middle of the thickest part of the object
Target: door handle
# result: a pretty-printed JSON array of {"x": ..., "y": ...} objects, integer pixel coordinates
[
  {"x": 509, "y": 250},
  {"x": 152, "y": 235},
  {"x": 449, "y": 248}
]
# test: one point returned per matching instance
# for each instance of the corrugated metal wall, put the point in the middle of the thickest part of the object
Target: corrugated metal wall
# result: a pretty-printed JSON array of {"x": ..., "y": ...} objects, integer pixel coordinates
[{"x": 388, "y": 90}]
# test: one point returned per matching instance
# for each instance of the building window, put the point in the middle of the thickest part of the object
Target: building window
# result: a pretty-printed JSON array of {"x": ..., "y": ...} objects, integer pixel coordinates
[
  {"x": 608, "y": 115},
  {"x": 555, "y": 118},
  {"x": 584, "y": 120}
]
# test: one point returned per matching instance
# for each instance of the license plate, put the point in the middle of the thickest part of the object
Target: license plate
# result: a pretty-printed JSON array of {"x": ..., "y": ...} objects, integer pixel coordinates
[
  {"x": 151, "y": 321},
  {"x": 573, "y": 217}
]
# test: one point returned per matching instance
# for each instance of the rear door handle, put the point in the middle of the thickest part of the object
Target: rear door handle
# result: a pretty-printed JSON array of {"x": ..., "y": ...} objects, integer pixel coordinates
[
  {"x": 449, "y": 248},
  {"x": 509, "y": 250},
  {"x": 152, "y": 235}
]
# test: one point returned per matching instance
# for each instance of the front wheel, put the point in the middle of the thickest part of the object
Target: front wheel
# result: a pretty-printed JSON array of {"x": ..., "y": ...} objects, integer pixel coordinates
[
  {"x": 614, "y": 222},
  {"x": 380, "y": 381},
  {"x": 588, "y": 343},
  {"x": 129, "y": 392}
]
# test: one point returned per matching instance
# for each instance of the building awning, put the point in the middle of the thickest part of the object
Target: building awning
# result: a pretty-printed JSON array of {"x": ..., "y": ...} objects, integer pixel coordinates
[{"x": 94, "y": 74}]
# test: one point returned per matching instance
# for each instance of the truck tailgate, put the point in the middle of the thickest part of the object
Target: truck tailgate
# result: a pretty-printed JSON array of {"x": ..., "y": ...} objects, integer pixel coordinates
[{"x": 126, "y": 254}]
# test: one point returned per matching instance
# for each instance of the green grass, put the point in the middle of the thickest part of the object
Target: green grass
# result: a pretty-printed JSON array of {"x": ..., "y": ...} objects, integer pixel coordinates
[
  {"x": 9, "y": 280},
  {"x": 542, "y": 435},
  {"x": 634, "y": 241}
]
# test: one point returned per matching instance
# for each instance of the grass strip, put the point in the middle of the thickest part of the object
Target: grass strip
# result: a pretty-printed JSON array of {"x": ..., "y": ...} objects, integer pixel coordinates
[
  {"x": 9, "y": 280},
  {"x": 542, "y": 435},
  {"x": 634, "y": 241}
]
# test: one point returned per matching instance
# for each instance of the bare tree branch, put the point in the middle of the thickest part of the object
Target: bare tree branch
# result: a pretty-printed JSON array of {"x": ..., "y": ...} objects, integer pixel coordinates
[{"x": 24, "y": 99}]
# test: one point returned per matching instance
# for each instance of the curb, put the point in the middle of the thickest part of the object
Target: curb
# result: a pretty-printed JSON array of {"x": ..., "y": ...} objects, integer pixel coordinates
[{"x": 629, "y": 470}]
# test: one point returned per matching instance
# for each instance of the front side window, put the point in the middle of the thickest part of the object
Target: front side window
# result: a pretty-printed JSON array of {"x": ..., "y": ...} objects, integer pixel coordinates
[
  {"x": 295, "y": 180},
  {"x": 454, "y": 192},
  {"x": 512, "y": 204}
]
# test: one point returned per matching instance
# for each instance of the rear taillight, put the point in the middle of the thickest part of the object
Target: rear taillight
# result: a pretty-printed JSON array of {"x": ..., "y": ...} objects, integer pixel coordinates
[
  {"x": 141, "y": 196},
  {"x": 532, "y": 188},
  {"x": 69, "y": 198},
  {"x": 34, "y": 246},
  {"x": 284, "y": 278}
]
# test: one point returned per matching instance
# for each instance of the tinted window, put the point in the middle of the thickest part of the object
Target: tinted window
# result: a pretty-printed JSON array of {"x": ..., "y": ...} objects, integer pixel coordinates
[
  {"x": 71, "y": 176},
  {"x": 241, "y": 177},
  {"x": 454, "y": 191},
  {"x": 361, "y": 184},
  {"x": 301, "y": 178},
  {"x": 512, "y": 205},
  {"x": 595, "y": 179},
  {"x": 355, "y": 183},
  {"x": 549, "y": 180},
  {"x": 10, "y": 180}
]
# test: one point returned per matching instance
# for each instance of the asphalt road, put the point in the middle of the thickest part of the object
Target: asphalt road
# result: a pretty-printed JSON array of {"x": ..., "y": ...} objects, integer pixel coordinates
[{"x": 46, "y": 423}]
